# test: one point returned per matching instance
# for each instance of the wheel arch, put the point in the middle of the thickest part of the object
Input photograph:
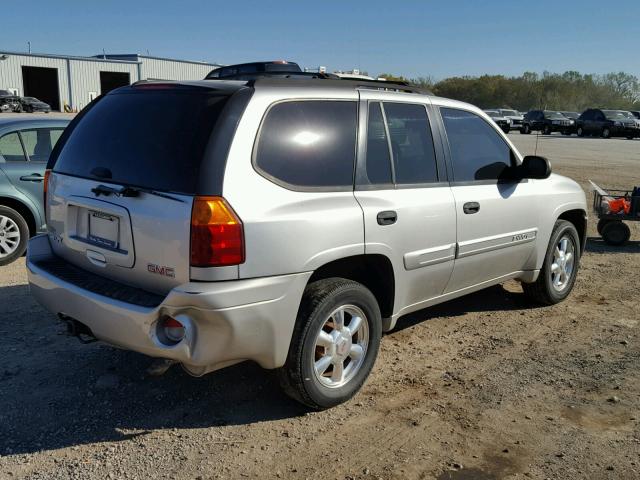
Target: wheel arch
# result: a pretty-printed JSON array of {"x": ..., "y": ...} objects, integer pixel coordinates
[
  {"x": 23, "y": 210},
  {"x": 374, "y": 271},
  {"x": 578, "y": 217}
]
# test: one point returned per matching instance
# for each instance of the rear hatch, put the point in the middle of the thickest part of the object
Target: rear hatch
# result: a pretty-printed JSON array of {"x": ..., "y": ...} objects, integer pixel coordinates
[{"x": 121, "y": 191}]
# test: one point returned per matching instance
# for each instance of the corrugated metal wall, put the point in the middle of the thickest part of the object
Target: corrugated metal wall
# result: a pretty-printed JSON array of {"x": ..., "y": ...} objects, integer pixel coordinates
[
  {"x": 79, "y": 77},
  {"x": 153, "y": 68}
]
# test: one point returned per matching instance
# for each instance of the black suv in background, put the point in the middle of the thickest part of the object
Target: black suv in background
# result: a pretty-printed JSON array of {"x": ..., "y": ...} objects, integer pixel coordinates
[
  {"x": 547, "y": 122},
  {"x": 607, "y": 124}
]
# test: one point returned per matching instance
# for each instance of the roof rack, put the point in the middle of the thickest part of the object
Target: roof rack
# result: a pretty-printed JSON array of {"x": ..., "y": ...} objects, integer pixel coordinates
[{"x": 309, "y": 78}]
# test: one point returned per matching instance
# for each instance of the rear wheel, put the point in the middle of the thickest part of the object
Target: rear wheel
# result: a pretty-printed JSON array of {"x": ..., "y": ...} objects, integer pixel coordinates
[
  {"x": 334, "y": 343},
  {"x": 616, "y": 233},
  {"x": 14, "y": 235},
  {"x": 546, "y": 130},
  {"x": 560, "y": 267},
  {"x": 506, "y": 129},
  {"x": 580, "y": 132}
]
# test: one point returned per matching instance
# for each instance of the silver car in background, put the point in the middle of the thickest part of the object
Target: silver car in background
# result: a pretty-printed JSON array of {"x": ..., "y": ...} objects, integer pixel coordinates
[{"x": 290, "y": 222}]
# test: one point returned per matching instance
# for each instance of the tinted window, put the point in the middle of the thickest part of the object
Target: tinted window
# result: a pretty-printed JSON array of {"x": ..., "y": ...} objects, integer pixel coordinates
[
  {"x": 39, "y": 142},
  {"x": 478, "y": 152},
  {"x": 152, "y": 139},
  {"x": 309, "y": 143},
  {"x": 11, "y": 148},
  {"x": 378, "y": 159},
  {"x": 414, "y": 157}
]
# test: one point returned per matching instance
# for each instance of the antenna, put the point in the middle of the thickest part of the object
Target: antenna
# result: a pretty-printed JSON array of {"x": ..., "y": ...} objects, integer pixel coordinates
[{"x": 29, "y": 46}]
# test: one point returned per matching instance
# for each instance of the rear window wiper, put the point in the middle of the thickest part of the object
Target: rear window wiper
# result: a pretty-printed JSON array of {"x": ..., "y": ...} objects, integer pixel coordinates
[{"x": 130, "y": 192}]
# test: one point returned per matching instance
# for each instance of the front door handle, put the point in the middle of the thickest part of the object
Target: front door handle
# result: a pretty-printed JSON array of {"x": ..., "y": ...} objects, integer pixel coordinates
[
  {"x": 471, "y": 207},
  {"x": 34, "y": 177},
  {"x": 387, "y": 217}
]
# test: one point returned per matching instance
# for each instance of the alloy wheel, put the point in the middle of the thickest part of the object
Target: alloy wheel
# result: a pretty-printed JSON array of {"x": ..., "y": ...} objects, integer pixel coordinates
[
  {"x": 341, "y": 346},
  {"x": 563, "y": 262},
  {"x": 9, "y": 236}
]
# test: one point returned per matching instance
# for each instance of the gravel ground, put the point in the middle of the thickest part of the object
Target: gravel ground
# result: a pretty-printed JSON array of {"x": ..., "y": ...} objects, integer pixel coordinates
[{"x": 486, "y": 387}]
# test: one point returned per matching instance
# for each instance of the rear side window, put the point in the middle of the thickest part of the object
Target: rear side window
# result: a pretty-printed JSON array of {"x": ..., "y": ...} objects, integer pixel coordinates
[
  {"x": 478, "y": 152},
  {"x": 40, "y": 142},
  {"x": 378, "y": 159},
  {"x": 11, "y": 148},
  {"x": 309, "y": 144},
  {"x": 154, "y": 139},
  {"x": 414, "y": 158}
]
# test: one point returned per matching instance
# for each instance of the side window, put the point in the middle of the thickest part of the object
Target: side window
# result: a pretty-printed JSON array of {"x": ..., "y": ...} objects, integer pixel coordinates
[
  {"x": 378, "y": 159},
  {"x": 11, "y": 148},
  {"x": 39, "y": 142},
  {"x": 309, "y": 143},
  {"x": 478, "y": 152},
  {"x": 414, "y": 158}
]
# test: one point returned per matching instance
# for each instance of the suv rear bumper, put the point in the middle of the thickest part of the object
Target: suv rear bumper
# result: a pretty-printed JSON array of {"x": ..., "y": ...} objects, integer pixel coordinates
[{"x": 225, "y": 322}]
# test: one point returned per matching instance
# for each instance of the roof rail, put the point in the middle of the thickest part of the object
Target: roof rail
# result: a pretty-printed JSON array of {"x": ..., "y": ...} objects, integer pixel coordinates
[{"x": 329, "y": 78}]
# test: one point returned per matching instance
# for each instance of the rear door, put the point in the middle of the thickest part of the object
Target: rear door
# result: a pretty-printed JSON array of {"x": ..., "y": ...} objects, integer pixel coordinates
[
  {"x": 496, "y": 218},
  {"x": 402, "y": 187}
]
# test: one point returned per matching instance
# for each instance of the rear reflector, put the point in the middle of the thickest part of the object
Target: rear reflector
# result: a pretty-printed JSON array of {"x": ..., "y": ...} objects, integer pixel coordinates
[
  {"x": 217, "y": 237},
  {"x": 173, "y": 329}
]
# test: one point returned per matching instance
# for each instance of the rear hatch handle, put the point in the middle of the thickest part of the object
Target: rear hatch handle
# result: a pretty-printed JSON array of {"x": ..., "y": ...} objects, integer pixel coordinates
[{"x": 130, "y": 192}]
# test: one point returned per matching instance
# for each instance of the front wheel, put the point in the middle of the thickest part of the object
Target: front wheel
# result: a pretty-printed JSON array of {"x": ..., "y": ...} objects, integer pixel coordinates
[
  {"x": 560, "y": 267},
  {"x": 525, "y": 129},
  {"x": 334, "y": 343},
  {"x": 546, "y": 130},
  {"x": 580, "y": 132},
  {"x": 606, "y": 133}
]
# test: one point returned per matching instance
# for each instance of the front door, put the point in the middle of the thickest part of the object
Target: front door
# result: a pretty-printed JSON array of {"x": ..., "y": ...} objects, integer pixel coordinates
[
  {"x": 408, "y": 207},
  {"x": 496, "y": 218}
]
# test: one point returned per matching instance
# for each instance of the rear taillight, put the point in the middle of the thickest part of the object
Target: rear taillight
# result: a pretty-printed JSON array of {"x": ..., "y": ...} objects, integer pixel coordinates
[
  {"x": 47, "y": 174},
  {"x": 217, "y": 237}
]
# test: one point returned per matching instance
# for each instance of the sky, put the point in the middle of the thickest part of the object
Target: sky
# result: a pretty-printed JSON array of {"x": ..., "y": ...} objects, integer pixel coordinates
[{"x": 411, "y": 38}]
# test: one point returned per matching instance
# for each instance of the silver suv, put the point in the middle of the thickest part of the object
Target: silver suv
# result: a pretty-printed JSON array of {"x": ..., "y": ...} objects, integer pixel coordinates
[{"x": 290, "y": 222}]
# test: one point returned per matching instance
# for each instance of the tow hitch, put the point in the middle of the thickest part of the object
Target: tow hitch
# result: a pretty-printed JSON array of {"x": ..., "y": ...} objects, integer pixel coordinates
[{"x": 77, "y": 329}]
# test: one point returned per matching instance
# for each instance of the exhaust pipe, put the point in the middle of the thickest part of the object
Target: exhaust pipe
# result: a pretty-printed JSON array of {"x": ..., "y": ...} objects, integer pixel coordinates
[{"x": 77, "y": 329}]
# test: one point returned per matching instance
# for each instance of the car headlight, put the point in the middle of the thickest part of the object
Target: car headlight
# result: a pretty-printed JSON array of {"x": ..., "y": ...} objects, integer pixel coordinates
[
  {"x": 571, "y": 122},
  {"x": 617, "y": 124}
]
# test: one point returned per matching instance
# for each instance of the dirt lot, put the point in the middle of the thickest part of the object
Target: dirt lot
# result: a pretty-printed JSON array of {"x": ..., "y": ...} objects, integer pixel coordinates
[{"x": 483, "y": 388}]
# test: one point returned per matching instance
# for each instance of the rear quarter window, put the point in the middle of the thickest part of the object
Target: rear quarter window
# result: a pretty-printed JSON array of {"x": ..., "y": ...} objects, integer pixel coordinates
[{"x": 308, "y": 144}]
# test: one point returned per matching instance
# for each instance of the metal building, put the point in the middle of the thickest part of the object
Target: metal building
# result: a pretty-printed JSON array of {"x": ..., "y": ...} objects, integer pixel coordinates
[{"x": 63, "y": 80}]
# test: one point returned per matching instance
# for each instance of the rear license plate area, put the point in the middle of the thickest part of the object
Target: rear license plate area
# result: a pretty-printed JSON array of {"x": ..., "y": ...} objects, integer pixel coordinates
[{"x": 104, "y": 229}]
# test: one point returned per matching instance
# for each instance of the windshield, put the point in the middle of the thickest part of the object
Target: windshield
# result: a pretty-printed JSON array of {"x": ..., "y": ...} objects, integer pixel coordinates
[
  {"x": 510, "y": 113},
  {"x": 554, "y": 115},
  {"x": 492, "y": 113},
  {"x": 614, "y": 114},
  {"x": 152, "y": 139},
  {"x": 627, "y": 114}
]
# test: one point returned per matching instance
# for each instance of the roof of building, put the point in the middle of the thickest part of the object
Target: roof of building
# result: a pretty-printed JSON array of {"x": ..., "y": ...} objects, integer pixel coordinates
[{"x": 127, "y": 58}]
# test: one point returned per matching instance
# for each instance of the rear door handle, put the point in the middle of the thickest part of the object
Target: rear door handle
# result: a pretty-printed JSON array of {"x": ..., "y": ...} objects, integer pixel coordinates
[
  {"x": 471, "y": 207},
  {"x": 34, "y": 177},
  {"x": 387, "y": 217}
]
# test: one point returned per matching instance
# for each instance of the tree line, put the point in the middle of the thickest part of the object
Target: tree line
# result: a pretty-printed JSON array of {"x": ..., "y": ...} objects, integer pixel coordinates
[{"x": 570, "y": 91}]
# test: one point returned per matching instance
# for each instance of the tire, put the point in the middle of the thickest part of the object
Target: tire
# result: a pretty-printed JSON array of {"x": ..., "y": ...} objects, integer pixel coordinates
[
  {"x": 299, "y": 377},
  {"x": 550, "y": 288},
  {"x": 506, "y": 129},
  {"x": 546, "y": 130},
  {"x": 606, "y": 133},
  {"x": 580, "y": 132},
  {"x": 525, "y": 130},
  {"x": 14, "y": 235},
  {"x": 630, "y": 137},
  {"x": 602, "y": 223},
  {"x": 616, "y": 233}
]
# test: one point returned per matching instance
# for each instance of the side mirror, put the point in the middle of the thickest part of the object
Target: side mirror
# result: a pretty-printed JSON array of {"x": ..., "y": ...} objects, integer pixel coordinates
[{"x": 534, "y": 167}]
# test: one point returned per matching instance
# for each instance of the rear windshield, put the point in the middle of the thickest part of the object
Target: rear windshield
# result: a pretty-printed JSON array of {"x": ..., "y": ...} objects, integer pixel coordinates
[{"x": 151, "y": 139}]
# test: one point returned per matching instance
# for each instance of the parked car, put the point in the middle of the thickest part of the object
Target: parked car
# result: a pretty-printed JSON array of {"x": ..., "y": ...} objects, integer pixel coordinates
[
  {"x": 290, "y": 222},
  {"x": 32, "y": 104},
  {"x": 503, "y": 122},
  {"x": 9, "y": 102},
  {"x": 547, "y": 121},
  {"x": 513, "y": 115},
  {"x": 636, "y": 114},
  {"x": 570, "y": 115},
  {"x": 606, "y": 123},
  {"x": 25, "y": 145}
]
